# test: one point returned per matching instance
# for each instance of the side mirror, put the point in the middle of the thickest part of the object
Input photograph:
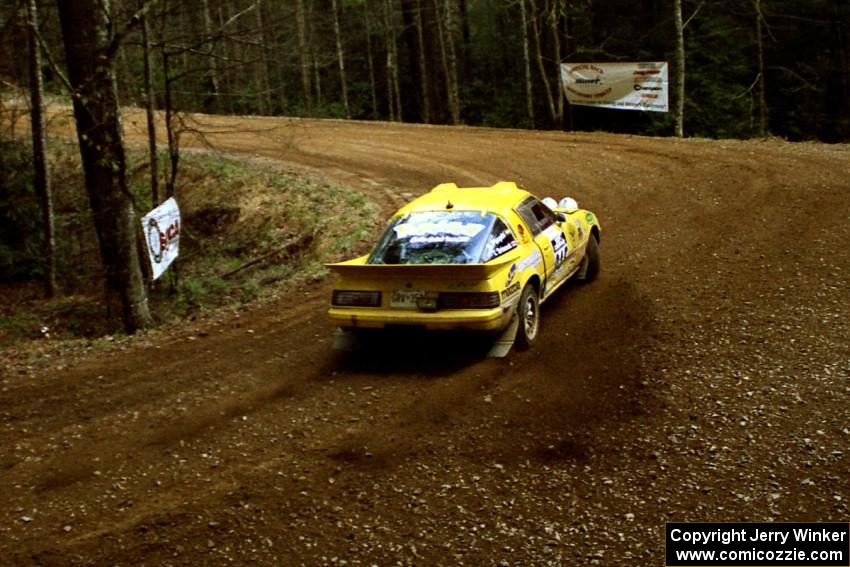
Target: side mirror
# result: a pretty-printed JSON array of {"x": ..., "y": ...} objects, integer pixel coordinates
[{"x": 561, "y": 217}]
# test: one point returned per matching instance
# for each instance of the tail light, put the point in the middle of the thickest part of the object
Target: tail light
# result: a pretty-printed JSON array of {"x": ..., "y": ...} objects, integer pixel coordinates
[
  {"x": 468, "y": 300},
  {"x": 346, "y": 298}
]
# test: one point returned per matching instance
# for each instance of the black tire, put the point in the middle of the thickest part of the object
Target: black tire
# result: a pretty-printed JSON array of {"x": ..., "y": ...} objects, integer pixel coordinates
[
  {"x": 593, "y": 259},
  {"x": 528, "y": 313}
]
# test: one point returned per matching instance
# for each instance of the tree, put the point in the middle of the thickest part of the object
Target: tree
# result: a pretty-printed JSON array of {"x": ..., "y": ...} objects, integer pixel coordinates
[
  {"x": 150, "y": 107},
  {"x": 445, "y": 32},
  {"x": 762, "y": 128},
  {"x": 554, "y": 19},
  {"x": 340, "y": 60},
  {"x": 526, "y": 63},
  {"x": 373, "y": 89},
  {"x": 39, "y": 152},
  {"x": 214, "y": 79},
  {"x": 544, "y": 76},
  {"x": 454, "y": 88},
  {"x": 90, "y": 50},
  {"x": 261, "y": 73},
  {"x": 391, "y": 42},
  {"x": 303, "y": 58},
  {"x": 680, "y": 68}
]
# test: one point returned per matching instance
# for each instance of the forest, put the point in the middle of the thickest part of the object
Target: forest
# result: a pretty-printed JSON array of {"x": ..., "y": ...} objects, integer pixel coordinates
[
  {"x": 752, "y": 67},
  {"x": 739, "y": 69}
]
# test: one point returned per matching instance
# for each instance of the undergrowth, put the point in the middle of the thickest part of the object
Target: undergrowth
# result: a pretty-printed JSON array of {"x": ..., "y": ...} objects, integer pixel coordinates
[{"x": 250, "y": 231}]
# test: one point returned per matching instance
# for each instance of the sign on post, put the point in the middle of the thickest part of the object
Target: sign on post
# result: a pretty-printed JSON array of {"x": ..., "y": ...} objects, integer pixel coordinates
[
  {"x": 162, "y": 234},
  {"x": 627, "y": 86}
]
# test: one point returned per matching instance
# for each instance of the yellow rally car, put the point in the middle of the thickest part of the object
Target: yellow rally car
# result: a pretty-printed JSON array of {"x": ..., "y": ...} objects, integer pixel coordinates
[{"x": 468, "y": 258}]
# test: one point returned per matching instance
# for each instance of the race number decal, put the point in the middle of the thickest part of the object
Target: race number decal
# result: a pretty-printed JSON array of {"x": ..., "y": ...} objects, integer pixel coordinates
[{"x": 561, "y": 248}]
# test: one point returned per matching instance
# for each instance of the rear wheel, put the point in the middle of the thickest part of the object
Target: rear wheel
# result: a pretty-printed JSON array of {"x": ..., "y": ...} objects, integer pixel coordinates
[{"x": 528, "y": 312}]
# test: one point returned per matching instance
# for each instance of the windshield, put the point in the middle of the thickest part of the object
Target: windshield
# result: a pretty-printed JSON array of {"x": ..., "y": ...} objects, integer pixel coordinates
[{"x": 438, "y": 237}]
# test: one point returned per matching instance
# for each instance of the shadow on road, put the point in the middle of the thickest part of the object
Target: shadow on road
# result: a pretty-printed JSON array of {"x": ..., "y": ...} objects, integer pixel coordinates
[{"x": 413, "y": 352}]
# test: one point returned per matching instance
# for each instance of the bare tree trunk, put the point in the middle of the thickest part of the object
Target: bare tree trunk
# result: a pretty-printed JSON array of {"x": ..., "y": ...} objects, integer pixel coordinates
[
  {"x": 225, "y": 79},
  {"x": 215, "y": 83},
  {"x": 396, "y": 81},
  {"x": 680, "y": 68},
  {"x": 171, "y": 130},
  {"x": 149, "y": 112},
  {"x": 554, "y": 16},
  {"x": 423, "y": 63},
  {"x": 540, "y": 66},
  {"x": 262, "y": 83},
  {"x": 454, "y": 96},
  {"x": 529, "y": 92},
  {"x": 444, "y": 57},
  {"x": 279, "y": 64},
  {"x": 367, "y": 22},
  {"x": 570, "y": 34},
  {"x": 39, "y": 150},
  {"x": 393, "y": 89},
  {"x": 341, "y": 59},
  {"x": 314, "y": 52},
  {"x": 761, "y": 89},
  {"x": 90, "y": 59},
  {"x": 303, "y": 58},
  {"x": 183, "y": 33}
]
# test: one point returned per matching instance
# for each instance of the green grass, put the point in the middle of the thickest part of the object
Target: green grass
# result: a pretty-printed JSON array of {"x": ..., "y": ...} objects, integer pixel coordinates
[{"x": 275, "y": 210}]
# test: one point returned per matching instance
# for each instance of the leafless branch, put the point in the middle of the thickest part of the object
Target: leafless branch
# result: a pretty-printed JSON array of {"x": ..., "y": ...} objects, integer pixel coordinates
[
  {"x": 119, "y": 36},
  {"x": 52, "y": 62},
  {"x": 238, "y": 15},
  {"x": 692, "y": 16},
  {"x": 749, "y": 90}
]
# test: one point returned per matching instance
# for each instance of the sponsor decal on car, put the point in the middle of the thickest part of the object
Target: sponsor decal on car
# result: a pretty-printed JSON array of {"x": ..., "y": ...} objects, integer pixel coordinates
[
  {"x": 510, "y": 291},
  {"x": 439, "y": 228},
  {"x": 522, "y": 234},
  {"x": 511, "y": 275},
  {"x": 500, "y": 244},
  {"x": 530, "y": 261},
  {"x": 579, "y": 229},
  {"x": 561, "y": 248}
]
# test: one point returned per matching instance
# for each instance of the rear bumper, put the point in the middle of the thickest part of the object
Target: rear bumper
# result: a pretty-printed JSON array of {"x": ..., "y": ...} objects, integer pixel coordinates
[{"x": 450, "y": 319}]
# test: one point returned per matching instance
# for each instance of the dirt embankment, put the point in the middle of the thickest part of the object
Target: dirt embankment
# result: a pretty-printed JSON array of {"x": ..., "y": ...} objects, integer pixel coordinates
[{"x": 703, "y": 377}]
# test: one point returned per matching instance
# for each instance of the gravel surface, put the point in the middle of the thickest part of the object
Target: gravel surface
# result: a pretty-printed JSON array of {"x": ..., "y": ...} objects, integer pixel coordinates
[{"x": 704, "y": 377}]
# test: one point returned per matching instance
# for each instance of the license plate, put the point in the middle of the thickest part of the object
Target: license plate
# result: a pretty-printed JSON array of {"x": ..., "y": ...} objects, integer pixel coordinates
[{"x": 406, "y": 298}]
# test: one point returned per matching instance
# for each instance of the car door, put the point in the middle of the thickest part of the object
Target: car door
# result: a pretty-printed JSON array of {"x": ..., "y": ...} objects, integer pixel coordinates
[
  {"x": 576, "y": 233},
  {"x": 550, "y": 239}
]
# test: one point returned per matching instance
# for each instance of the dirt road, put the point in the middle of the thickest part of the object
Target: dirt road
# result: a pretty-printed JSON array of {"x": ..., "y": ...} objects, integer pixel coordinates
[{"x": 704, "y": 377}]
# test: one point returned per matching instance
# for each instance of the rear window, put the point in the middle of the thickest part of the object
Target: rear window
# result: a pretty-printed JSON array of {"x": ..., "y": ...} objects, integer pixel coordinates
[
  {"x": 442, "y": 237},
  {"x": 500, "y": 242}
]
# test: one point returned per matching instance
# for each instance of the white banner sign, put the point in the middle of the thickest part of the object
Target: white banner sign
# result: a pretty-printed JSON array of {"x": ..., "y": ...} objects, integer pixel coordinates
[
  {"x": 162, "y": 233},
  {"x": 628, "y": 86}
]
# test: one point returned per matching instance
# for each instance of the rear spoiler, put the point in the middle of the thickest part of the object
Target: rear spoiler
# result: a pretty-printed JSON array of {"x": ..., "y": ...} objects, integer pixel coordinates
[{"x": 358, "y": 270}]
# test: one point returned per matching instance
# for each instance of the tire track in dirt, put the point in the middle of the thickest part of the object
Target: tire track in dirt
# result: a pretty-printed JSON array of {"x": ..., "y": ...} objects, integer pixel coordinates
[{"x": 139, "y": 382}]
